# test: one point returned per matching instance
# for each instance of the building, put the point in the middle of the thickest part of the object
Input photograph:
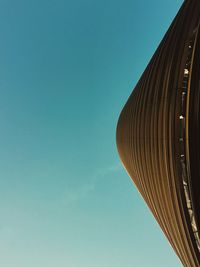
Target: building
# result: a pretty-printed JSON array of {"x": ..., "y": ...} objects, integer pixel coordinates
[{"x": 158, "y": 134}]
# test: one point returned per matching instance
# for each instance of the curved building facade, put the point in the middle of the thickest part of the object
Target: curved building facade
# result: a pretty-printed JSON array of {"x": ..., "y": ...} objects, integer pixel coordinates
[{"x": 158, "y": 134}]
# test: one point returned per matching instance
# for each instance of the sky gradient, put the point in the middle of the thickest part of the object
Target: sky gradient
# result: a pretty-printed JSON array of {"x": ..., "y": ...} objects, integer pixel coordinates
[{"x": 66, "y": 70}]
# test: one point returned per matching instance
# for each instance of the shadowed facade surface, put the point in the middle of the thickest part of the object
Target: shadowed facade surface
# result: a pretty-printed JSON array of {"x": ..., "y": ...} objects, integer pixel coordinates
[{"x": 158, "y": 134}]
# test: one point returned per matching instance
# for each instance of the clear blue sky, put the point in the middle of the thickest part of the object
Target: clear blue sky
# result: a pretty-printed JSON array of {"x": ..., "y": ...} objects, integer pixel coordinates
[{"x": 67, "y": 68}]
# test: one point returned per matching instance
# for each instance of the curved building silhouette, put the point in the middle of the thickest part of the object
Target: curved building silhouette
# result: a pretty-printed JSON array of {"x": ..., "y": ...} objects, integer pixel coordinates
[{"x": 158, "y": 134}]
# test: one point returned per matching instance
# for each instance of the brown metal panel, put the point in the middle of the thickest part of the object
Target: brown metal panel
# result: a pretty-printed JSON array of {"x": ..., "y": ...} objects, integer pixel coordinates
[{"x": 158, "y": 134}]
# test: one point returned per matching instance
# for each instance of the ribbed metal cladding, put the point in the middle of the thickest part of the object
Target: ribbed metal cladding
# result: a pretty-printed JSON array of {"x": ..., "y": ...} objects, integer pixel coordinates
[{"x": 158, "y": 134}]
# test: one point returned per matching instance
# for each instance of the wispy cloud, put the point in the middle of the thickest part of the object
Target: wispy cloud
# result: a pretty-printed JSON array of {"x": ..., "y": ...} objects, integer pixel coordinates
[
  {"x": 75, "y": 194},
  {"x": 103, "y": 172}
]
